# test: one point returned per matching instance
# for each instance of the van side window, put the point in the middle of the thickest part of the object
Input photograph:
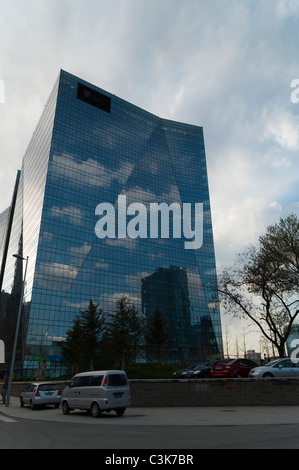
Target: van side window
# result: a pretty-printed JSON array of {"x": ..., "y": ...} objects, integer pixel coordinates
[
  {"x": 96, "y": 380},
  {"x": 117, "y": 380},
  {"x": 75, "y": 382},
  {"x": 84, "y": 381}
]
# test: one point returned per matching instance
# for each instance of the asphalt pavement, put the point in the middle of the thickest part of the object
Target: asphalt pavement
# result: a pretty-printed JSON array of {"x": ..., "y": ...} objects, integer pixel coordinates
[{"x": 165, "y": 416}]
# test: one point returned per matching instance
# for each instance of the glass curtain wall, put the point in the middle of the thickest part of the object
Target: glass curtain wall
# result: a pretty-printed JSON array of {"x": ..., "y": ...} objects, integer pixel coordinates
[{"x": 94, "y": 148}]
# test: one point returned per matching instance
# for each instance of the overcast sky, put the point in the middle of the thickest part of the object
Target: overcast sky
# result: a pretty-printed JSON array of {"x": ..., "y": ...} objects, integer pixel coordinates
[{"x": 226, "y": 65}]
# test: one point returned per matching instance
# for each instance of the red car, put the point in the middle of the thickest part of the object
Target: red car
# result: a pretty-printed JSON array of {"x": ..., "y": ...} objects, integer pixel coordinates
[{"x": 232, "y": 368}]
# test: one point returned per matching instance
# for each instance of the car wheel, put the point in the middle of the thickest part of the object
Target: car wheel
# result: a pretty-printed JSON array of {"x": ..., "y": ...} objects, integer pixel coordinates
[
  {"x": 268, "y": 374},
  {"x": 21, "y": 402},
  {"x": 120, "y": 411},
  {"x": 65, "y": 408},
  {"x": 238, "y": 375},
  {"x": 95, "y": 409},
  {"x": 32, "y": 406}
]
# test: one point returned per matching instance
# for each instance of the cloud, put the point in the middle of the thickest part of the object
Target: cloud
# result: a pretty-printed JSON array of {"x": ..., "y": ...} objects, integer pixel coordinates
[
  {"x": 56, "y": 276},
  {"x": 287, "y": 9},
  {"x": 109, "y": 301},
  {"x": 89, "y": 172},
  {"x": 79, "y": 254},
  {"x": 73, "y": 214},
  {"x": 284, "y": 129}
]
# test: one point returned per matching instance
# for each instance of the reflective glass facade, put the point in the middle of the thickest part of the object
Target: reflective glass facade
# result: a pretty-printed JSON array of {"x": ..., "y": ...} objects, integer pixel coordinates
[
  {"x": 6, "y": 220},
  {"x": 3, "y": 224},
  {"x": 89, "y": 148}
]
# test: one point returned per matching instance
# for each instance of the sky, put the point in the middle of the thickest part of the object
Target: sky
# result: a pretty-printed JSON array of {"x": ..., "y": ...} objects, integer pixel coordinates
[{"x": 229, "y": 66}]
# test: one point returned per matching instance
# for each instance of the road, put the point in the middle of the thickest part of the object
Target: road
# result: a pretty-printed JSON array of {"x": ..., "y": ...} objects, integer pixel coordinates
[{"x": 178, "y": 429}]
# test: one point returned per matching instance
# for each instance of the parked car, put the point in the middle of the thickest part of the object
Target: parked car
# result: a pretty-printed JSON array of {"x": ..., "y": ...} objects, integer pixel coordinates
[
  {"x": 232, "y": 368},
  {"x": 97, "y": 391},
  {"x": 278, "y": 368},
  {"x": 195, "y": 371},
  {"x": 184, "y": 373},
  {"x": 40, "y": 394}
]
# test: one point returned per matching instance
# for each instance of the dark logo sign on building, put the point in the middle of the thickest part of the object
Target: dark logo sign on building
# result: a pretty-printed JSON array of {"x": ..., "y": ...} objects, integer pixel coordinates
[{"x": 95, "y": 98}]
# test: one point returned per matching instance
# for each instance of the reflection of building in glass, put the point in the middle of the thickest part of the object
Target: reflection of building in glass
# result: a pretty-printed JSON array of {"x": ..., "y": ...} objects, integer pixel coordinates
[
  {"x": 6, "y": 219},
  {"x": 9, "y": 302},
  {"x": 90, "y": 147},
  {"x": 167, "y": 290},
  {"x": 3, "y": 224}
]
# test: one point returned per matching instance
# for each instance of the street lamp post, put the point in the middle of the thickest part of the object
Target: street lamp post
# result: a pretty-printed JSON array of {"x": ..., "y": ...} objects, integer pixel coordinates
[{"x": 17, "y": 332}]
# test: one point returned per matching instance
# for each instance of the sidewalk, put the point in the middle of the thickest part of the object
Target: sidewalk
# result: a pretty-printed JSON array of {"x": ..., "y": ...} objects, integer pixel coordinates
[{"x": 176, "y": 416}]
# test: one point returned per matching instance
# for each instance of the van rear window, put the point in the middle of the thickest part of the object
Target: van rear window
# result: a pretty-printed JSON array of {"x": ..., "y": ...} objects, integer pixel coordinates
[{"x": 117, "y": 380}]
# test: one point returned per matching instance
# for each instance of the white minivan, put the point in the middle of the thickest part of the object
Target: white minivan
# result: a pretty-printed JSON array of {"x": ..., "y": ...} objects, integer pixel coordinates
[{"x": 97, "y": 391}]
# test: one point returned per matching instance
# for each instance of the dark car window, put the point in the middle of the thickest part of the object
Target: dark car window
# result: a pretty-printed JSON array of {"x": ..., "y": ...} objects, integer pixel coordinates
[
  {"x": 201, "y": 366},
  {"x": 287, "y": 363},
  {"x": 246, "y": 363},
  {"x": 252, "y": 363},
  {"x": 80, "y": 381},
  {"x": 96, "y": 380},
  {"x": 47, "y": 387},
  {"x": 116, "y": 380},
  {"x": 84, "y": 381}
]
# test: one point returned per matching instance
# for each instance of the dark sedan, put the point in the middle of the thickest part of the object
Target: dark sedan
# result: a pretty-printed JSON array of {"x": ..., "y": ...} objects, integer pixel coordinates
[{"x": 195, "y": 371}]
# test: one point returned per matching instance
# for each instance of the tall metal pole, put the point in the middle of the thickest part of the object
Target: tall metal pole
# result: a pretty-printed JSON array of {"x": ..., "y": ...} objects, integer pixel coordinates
[{"x": 17, "y": 333}]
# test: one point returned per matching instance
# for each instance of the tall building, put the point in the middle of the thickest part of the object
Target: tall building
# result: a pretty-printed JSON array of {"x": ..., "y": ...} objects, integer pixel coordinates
[
  {"x": 6, "y": 219},
  {"x": 112, "y": 201}
]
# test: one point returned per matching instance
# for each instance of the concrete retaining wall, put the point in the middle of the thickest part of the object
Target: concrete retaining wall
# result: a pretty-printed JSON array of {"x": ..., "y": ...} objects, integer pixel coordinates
[
  {"x": 208, "y": 392},
  {"x": 216, "y": 392}
]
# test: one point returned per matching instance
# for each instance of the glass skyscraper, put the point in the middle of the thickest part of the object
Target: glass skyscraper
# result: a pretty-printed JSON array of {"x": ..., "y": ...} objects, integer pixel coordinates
[{"x": 112, "y": 201}]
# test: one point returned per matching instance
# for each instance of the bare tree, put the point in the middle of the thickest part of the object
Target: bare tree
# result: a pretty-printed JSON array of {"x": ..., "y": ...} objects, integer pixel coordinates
[
  {"x": 226, "y": 341},
  {"x": 263, "y": 284}
]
